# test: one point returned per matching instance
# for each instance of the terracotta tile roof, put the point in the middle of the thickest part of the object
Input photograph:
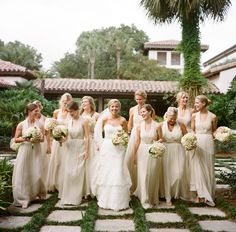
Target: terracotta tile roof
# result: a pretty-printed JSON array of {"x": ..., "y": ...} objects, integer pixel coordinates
[
  {"x": 219, "y": 68},
  {"x": 111, "y": 87},
  {"x": 9, "y": 69},
  {"x": 167, "y": 45},
  {"x": 5, "y": 85}
]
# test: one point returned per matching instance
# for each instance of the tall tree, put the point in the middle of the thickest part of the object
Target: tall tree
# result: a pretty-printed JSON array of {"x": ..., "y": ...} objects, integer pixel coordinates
[
  {"x": 19, "y": 53},
  {"x": 189, "y": 14}
]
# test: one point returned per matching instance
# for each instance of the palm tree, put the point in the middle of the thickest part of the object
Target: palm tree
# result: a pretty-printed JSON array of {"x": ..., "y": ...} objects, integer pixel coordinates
[{"x": 189, "y": 13}]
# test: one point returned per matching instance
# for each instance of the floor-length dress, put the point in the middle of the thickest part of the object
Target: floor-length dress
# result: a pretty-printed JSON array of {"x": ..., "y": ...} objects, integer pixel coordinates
[
  {"x": 150, "y": 184},
  {"x": 27, "y": 179},
  {"x": 128, "y": 157},
  {"x": 57, "y": 160},
  {"x": 91, "y": 161},
  {"x": 174, "y": 162},
  {"x": 74, "y": 175},
  {"x": 202, "y": 176},
  {"x": 112, "y": 181}
]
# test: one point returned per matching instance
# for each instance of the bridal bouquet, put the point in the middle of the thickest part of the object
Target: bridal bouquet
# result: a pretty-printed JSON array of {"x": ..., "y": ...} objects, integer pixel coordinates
[
  {"x": 223, "y": 134},
  {"x": 189, "y": 141},
  {"x": 60, "y": 133},
  {"x": 33, "y": 133},
  {"x": 13, "y": 145},
  {"x": 120, "y": 138},
  {"x": 157, "y": 150},
  {"x": 50, "y": 123}
]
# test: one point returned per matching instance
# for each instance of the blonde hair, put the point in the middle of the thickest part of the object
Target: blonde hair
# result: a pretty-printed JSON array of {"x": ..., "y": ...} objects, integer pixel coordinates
[
  {"x": 65, "y": 96},
  {"x": 171, "y": 111},
  {"x": 180, "y": 94},
  {"x": 141, "y": 93},
  {"x": 203, "y": 99},
  {"x": 112, "y": 101},
  {"x": 91, "y": 101}
]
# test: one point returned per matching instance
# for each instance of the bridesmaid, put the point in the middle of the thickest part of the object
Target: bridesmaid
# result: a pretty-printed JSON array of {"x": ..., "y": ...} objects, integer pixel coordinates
[
  {"x": 56, "y": 165},
  {"x": 202, "y": 176},
  {"x": 184, "y": 113},
  {"x": 174, "y": 158},
  {"x": 88, "y": 111},
  {"x": 75, "y": 161},
  {"x": 45, "y": 145},
  {"x": 135, "y": 118},
  {"x": 27, "y": 181},
  {"x": 150, "y": 183}
]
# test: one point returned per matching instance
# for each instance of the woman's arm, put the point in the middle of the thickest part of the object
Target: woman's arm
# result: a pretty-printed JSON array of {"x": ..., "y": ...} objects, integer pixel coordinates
[
  {"x": 183, "y": 129},
  {"x": 86, "y": 138},
  {"x": 193, "y": 123},
  {"x": 18, "y": 134},
  {"x": 124, "y": 125},
  {"x": 136, "y": 145},
  {"x": 159, "y": 132},
  {"x": 130, "y": 122}
]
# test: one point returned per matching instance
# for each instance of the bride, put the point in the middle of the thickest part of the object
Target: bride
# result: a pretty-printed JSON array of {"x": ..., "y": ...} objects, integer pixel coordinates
[{"x": 112, "y": 182}]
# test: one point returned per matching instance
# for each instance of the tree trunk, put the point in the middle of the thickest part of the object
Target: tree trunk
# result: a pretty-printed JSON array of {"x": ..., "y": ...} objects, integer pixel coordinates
[
  {"x": 42, "y": 87},
  {"x": 192, "y": 80}
]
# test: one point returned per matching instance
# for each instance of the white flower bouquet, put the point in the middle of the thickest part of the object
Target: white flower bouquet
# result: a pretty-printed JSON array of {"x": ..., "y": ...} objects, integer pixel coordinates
[
  {"x": 157, "y": 150},
  {"x": 120, "y": 138},
  {"x": 189, "y": 141},
  {"x": 50, "y": 123},
  {"x": 33, "y": 133},
  {"x": 13, "y": 145},
  {"x": 60, "y": 133},
  {"x": 223, "y": 134}
]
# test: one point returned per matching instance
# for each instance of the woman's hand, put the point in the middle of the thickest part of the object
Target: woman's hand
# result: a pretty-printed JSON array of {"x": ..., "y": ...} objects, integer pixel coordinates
[{"x": 85, "y": 155}]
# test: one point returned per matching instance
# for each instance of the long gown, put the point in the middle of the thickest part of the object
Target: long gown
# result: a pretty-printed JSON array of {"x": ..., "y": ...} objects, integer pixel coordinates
[
  {"x": 57, "y": 160},
  {"x": 91, "y": 161},
  {"x": 74, "y": 174},
  {"x": 128, "y": 157},
  {"x": 150, "y": 184},
  {"x": 112, "y": 181},
  {"x": 174, "y": 162},
  {"x": 202, "y": 176},
  {"x": 27, "y": 179}
]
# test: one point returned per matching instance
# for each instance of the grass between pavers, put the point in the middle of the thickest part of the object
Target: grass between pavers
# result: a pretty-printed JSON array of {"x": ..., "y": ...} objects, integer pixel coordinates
[
  {"x": 225, "y": 206},
  {"x": 139, "y": 216}
]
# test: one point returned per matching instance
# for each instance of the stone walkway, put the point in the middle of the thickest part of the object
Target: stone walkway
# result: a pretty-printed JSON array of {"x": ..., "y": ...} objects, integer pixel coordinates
[{"x": 50, "y": 216}]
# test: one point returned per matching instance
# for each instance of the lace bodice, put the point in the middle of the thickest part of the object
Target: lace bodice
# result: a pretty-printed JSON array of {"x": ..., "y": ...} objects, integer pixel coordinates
[
  {"x": 203, "y": 127},
  {"x": 136, "y": 117},
  {"x": 147, "y": 137},
  {"x": 76, "y": 131},
  {"x": 110, "y": 130},
  {"x": 173, "y": 136},
  {"x": 61, "y": 120},
  {"x": 186, "y": 119}
]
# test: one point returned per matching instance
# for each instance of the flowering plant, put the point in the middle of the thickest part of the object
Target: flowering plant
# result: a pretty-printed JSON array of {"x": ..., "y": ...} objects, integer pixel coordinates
[
  {"x": 223, "y": 134},
  {"x": 60, "y": 133},
  {"x": 50, "y": 123},
  {"x": 157, "y": 150},
  {"x": 13, "y": 145},
  {"x": 120, "y": 138},
  {"x": 189, "y": 141}
]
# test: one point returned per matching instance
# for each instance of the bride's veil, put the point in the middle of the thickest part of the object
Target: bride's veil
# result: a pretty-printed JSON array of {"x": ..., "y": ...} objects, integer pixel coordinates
[{"x": 98, "y": 128}]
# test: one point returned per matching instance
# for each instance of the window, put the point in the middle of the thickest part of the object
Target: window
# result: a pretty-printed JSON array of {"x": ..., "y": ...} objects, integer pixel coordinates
[
  {"x": 175, "y": 58},
  {"x": 161, "y": 58}
]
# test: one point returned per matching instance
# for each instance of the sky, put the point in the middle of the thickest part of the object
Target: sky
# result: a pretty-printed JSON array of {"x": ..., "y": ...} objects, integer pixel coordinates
[{"x": 53, "y": 26}]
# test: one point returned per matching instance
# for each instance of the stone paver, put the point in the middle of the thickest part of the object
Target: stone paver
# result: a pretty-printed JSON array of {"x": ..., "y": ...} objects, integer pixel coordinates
[
  {"x": 222, "y": 186},
  {"x": 222, "y": 225},
  {"x": 223, "y": 169},
  {"x": 163, "y": 217},
  {"x": 162, "y": 205},
  {"x": 207, "y": 211},
  {"x": 60, "y": 229},
  {"x": 65, "y": 215},
  {"x": 31, "y": 208},
  {"x": 114, "y": 225},
  {"x": 11, "y": 222},
  {"x": 169, "y": 230},
  {"x": 59, "y": 205},
  {"x": 114, "y": 213}
]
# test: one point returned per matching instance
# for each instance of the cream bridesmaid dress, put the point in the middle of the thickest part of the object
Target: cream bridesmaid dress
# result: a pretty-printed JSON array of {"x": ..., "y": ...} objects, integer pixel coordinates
[
  {"x": 57, "y": 160},
  {"x": 150, "y": 184},
  {"x": 128, "y": 157},
  {"x": 27, "y": 182},
  {"x": 74, "y": 187},
  {"x": 185, "y": 119},
  {"x": 174, "y": 162},
  {"x": 202, "y": 175}
]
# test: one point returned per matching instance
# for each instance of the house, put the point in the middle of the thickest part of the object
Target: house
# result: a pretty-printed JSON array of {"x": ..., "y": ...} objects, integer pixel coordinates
[
  {"x": 9, "y": 73},
  {"x": 166, "y": 54},
  {"x": 221, "y": 69}
]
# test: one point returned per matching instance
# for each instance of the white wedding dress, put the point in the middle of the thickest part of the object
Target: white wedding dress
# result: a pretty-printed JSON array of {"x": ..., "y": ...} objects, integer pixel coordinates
[{"x": 112, "y": 182}]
